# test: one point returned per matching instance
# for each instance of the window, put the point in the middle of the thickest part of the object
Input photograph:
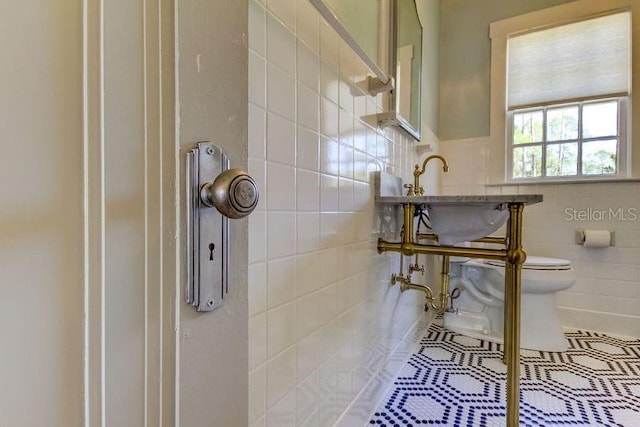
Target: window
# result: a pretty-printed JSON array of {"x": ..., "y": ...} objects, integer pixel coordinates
[
  {"x": 576, "y": 140},
  {"x": 567, "y": 92}
]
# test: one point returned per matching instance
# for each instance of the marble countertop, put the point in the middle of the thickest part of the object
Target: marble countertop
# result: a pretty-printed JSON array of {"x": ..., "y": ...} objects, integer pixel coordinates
[
  {"x": 389, "y": 191},
  {"x": 527, "y": 199}
]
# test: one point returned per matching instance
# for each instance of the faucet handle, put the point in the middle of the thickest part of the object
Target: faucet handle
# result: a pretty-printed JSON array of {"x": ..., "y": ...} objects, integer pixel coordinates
[
  {"x": 419, "y": 191},
  {"x": 410, "y": 190}
]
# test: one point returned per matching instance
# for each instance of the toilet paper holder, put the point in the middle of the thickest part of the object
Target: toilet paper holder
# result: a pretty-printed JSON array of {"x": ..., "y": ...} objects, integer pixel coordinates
[{"x": 579, "y": 237}]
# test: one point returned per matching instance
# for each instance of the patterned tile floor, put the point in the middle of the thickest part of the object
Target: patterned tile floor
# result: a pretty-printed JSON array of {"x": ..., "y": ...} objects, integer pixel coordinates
[{"x": 453, "y": 380}]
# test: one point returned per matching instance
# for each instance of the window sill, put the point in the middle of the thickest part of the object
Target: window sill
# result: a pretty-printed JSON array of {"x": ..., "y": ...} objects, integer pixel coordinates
[{"x": 563, "y": 181}]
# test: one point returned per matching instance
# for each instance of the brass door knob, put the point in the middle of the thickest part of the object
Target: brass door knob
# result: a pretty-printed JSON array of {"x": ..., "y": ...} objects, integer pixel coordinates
[{"x": 233, "y": 193}]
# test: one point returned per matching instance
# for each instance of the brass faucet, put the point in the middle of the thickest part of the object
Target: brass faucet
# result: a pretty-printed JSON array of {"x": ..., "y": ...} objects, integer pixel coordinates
[{"x": 416, "y": 189}]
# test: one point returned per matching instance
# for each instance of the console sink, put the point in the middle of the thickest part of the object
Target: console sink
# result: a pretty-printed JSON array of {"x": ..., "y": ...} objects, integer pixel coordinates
[{"x": 457, "y": 219}]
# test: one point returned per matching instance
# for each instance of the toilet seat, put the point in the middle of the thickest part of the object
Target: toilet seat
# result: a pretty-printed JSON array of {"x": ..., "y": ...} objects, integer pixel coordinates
[{"x": 537, "y": 263}]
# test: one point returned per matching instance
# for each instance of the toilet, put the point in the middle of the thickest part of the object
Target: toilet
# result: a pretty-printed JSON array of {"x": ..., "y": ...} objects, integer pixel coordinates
[{"x": 478, "y": 291}]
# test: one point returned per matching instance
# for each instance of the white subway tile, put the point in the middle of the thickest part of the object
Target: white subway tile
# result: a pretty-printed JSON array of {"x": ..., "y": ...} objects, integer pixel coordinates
[
  {"x": 308, "y": 24},
  {"x": 257, "y": 131},
  {"x": 257, "y": 393},
  {"x": 308, "y": 67},
  {"x": 328, "y": 412},
  {"x": 359, "y": 104},
  {"x": 281, "y": 92},
  {"x": 360, "y": 171},
  {"x": 257, "y": 80},
  {"x": 345, "y": 96},
  {"x": 345, "y": 127},
  {"x": 329, "y": 233},
  {"x": 257, "y": 288},
  {"x": 372, "y": 144},
  {"x": 281, "y": 332},
  {"x": 328, "y": 266},
  {"x": 283, "y": 413},
  {"x": 281, "y": 281},
  {"x": 257, "y": 28},
  {"x": 285, "y": 10},
  {"x": 329, "y": 82},
  {"x": 258, "y": 233},
  {"x": 307, "y": 318},
  {"x": 362, "y": 196},
  {"x": 281, "y": 376},
  {"x": 257, "y": 340},
  {"x": 343, "y": 393},
  {"x": 307, "y": 273},
  {"x": 307, "y": 350},
  {"x": 360, "y": 136},
  {"x": 344, "y": 299},
  {"x": 329, "y": 195},
  {"x": 348, "y": 65},
  {"x": 615, "y": 271},
  {"x": 281, "y": 139},
  {"x": 307, "y": 397},
  {"x": 281, "y": 187},
  {"x": 328, "y": 376},
  {"x": 281, "y": 45},
  {"x": 328, "y": 118},
  {"x": 307, "y": 149},
  {"x": 327, "y": 300},
  {"x": 329, "y": 44},
  {"x": 347, "y": 256},
  {"x": 308, "y": 232},
  {"x": 307, "y": 191},
  {"x": 281, "y": 234},
  {"x": 329, "y": 156},
  {"x": 346, "y": 161},
  {"x": 310, "y": 421},
  {"x": 345, "y": 189},
  {"x": 308, "y": 108}
]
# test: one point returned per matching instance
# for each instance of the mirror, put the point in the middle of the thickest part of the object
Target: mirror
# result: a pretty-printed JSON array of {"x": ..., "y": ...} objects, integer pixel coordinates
[
  {"x": 407, "y": 57},
  {"x": 387, "y": 36}
]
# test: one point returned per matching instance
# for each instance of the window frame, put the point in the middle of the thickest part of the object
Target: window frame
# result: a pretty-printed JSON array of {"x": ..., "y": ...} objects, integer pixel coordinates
[
  {"x": 500, "y": 31},
  {"x": 621, "y": 137}
]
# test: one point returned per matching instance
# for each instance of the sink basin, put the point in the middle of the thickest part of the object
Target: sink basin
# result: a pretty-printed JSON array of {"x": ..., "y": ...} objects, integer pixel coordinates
[
  {"x": 457, "y": 223},
  {"x": 455, "y": 219}
]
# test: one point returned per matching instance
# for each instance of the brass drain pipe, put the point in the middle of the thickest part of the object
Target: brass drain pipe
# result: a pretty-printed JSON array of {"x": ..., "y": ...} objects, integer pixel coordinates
[{"x": 444, "y": 299}]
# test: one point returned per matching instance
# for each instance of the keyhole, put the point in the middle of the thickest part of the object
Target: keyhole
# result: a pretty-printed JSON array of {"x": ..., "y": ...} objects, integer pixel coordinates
[{"x": 211, "y": 248}]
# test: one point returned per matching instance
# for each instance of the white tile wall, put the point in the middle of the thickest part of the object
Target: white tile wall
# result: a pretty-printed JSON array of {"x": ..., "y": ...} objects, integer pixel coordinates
[
  {"x": 323, "y": 318},
  {"x": 606, "y": 295}
]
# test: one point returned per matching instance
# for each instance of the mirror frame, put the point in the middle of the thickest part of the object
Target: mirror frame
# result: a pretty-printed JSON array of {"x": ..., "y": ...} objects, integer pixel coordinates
[{"x": 414, "y": 129}]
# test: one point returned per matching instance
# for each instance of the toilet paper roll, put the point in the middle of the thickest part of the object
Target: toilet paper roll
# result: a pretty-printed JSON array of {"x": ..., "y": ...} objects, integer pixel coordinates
[{"x": 597, "y": 238}]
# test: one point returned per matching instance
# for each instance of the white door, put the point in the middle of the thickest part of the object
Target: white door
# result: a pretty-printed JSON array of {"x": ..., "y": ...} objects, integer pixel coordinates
[
  {"x": 93, "y": 329},
  {"x": 213, "y": 105}
]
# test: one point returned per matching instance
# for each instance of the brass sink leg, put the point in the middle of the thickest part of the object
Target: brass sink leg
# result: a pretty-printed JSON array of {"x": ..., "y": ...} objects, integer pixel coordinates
[
  {"x": 513, "y": 283},
  {"x": 508, "y": 300}
]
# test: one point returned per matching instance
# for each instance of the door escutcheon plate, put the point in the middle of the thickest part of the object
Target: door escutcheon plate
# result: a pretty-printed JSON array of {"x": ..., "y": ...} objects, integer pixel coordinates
[{"x": 207, "y": 237}]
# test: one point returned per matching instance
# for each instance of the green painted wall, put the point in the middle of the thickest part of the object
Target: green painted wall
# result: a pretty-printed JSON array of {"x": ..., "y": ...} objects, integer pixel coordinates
[{"x": 465, "y": 61}]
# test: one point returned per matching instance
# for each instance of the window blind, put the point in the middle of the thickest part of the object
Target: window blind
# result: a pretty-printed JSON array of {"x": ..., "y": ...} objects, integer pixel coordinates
[{"x": 585, "y": 59}]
